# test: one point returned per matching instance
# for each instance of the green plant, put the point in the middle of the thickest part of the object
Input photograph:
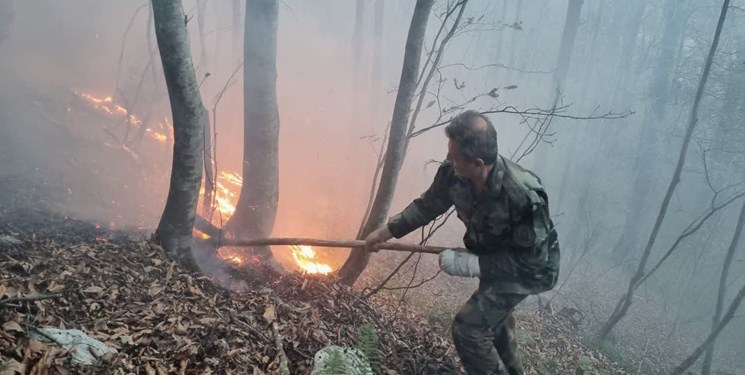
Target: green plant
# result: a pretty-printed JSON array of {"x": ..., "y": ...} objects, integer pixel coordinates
[
  {"x": 335, "y": 364},
  {"x": 369, "y": 344}
]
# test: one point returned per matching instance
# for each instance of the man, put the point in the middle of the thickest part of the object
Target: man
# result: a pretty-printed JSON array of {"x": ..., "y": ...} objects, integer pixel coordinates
[{"x": 511, "y": 242}]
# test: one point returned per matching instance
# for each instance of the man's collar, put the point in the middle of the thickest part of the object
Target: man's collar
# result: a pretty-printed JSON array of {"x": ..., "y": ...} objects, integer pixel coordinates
[{"x": 496, "y": 176}]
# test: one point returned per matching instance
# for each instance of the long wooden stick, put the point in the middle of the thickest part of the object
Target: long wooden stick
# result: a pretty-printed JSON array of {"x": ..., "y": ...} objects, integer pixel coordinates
[{"x": 354, "y": 244}]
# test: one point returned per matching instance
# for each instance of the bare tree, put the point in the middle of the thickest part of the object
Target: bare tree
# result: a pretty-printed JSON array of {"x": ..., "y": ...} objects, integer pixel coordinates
[
  {"x": 174, "y": 231},
  {"x": 734, "y": 244},
  {"x": 396, "y": 149},
  {"x": 256, "y": 208},
  {"x": 571, "y": 25},
  {"x": 649, "y": 148},
  {"x": 726, "y": 318},
  {"x": 626, "y": 300}
]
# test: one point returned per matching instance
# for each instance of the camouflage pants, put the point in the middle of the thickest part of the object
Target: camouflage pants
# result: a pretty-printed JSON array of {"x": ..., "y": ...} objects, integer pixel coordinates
[{"x": 484, "y": 333}]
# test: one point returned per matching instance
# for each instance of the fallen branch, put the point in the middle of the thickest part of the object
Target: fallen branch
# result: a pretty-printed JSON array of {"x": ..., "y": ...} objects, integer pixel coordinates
[
  {"x": 38, "y": 297},
  {"x": 337, "y": 243},
  {"x": 284, "y": 368}
]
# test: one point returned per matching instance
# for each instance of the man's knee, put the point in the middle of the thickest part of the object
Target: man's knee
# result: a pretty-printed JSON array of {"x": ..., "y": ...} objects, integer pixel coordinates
[{"x": 472, "y": 341}]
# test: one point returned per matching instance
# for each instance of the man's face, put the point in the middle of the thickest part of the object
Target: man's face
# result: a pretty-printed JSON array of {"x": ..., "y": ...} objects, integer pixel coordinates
[{"x": 463, "y": 168}]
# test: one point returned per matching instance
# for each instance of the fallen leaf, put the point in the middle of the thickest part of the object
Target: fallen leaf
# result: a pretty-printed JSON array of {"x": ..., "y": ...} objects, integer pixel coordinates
[
  {"x": 92, "y": 289},
  {"x": 11, "y": 326},
  {"x": 270, "y": 314},
  {"x": 12, "y": 367}
]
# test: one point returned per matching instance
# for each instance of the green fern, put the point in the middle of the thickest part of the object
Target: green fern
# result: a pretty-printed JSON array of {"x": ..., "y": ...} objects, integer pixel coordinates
[
  {"x": 369, "y": 344},
  {"x": 335, "y": 364}
]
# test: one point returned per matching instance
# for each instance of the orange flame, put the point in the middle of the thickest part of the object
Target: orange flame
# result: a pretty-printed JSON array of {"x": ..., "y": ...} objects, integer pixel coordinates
[
  {"x": 227, "y": 186},
  {"x": 305, "y": 257},
  {"x": 107, "y": 106}
]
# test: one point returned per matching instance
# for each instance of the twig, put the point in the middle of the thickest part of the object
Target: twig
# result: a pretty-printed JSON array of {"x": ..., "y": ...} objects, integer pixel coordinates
[
  {"x": 124, "y": 40},
  {"x": 38, "y": 297},
  {"x": 537, "y": 112},
  {"x": 284, "y": 369}
]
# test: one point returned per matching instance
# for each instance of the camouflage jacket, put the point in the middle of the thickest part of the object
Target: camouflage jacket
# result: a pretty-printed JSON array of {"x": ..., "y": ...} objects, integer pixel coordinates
[{"x": 507, "y": 225}]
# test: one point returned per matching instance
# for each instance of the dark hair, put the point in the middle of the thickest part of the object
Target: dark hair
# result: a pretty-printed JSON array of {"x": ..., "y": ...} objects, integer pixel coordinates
[{"x": 476, "y": 139}]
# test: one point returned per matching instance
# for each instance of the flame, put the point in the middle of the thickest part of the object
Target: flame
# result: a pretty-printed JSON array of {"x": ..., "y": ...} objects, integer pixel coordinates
[
  {"x": 305, "y": 257},
  {"x": 225, "y": 194},
  {"x": 201, "y": 234},
  {"x": 108, "y": 106},
  {"x": 227, "y": 188}
]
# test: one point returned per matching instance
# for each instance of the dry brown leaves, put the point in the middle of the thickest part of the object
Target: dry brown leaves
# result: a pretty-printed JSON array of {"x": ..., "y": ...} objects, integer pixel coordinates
[{"x": 164, "y": 320}]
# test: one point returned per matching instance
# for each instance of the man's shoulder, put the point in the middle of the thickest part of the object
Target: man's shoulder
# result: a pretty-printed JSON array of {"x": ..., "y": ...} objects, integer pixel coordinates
[{"x": 523, "y": 176}]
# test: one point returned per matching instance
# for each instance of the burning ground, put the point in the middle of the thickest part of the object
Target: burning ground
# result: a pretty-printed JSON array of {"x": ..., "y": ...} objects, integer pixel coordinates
[
  {"x": 102, "y": 276},
  {"x": 71, "y": 274}
]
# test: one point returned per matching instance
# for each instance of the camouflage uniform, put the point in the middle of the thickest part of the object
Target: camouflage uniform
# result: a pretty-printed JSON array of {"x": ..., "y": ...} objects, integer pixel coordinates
[{"x": 508, "y": 227}]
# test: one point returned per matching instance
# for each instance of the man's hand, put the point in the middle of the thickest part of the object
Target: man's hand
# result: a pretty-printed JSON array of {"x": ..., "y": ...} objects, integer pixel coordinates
[
  {"x": 460, "y": 264},
  {"x": 379, "y": 235}
]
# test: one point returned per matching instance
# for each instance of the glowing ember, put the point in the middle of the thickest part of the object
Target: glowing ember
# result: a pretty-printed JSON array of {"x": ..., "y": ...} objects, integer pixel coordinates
[
  {"x": 201, "y": 234},
  {"x": 107, "y": 106},
  {"x": 305, "y": 257},
  {"x": 235, "y": 259}
]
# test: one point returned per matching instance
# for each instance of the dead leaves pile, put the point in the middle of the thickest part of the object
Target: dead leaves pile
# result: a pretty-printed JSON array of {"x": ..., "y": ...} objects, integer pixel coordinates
[
  {"x": 551, "y": 346},
  {"x": 164, "y": 320}
]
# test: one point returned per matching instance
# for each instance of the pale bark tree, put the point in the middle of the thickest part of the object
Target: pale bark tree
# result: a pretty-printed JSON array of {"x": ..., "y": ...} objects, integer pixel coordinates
[
  {"x": 256, "y": 209},
  {"x": 174, "y": 231},
  {"x": 626, "y": 300},
  {"x": 397, "y": 140}
]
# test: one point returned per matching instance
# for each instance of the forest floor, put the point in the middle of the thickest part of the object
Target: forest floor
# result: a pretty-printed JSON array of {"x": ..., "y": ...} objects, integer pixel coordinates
[{"x": 69, "y": 274}]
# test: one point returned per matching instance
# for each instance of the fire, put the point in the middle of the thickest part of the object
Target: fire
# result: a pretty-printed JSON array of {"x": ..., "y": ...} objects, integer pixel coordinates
[
  {"x": 225, "y": 194},
  {"x": 305, "y": 257},
  {"x": 201, "y": 234},
  {"x": 107, "y": 106}
]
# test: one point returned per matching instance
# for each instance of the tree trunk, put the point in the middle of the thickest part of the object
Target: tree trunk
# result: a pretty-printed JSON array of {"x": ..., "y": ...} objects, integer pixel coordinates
[
  {"x": 235, "y": 39},
  {"x": 626, "y": 300},
  {"x": 175, "y": 228},
  {"x": 649, "y": 149},
  {"x": 628, "y": 46},
  {"x": 394, "y": 155},
  {"x": 563, "y": 61},
  {"x": 688, "y": 362},
  {"x": 571, "y": 25},
  {"x": 256, "y": 209},
  {"x": 734, "y": 244}
]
